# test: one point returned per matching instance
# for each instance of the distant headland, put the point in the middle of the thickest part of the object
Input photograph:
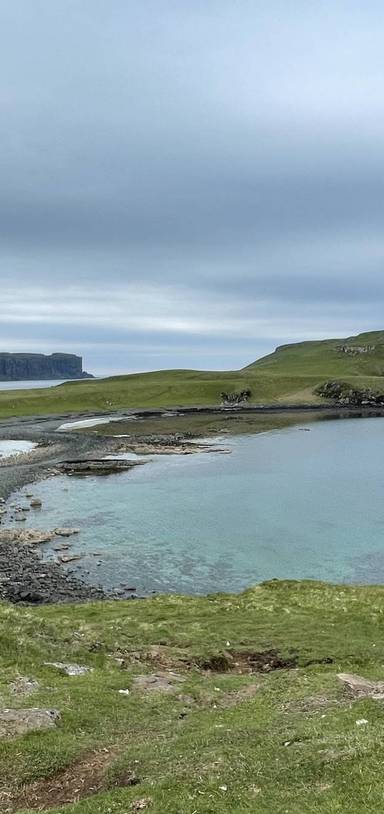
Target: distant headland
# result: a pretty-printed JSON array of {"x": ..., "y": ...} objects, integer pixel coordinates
[{"x": 18, "y": 366}]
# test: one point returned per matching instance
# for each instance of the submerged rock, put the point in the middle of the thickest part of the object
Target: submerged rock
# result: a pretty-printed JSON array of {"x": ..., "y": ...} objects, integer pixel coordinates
[
  {"x": 65, "y": 532},
  {"x": 69, "y": 558}
]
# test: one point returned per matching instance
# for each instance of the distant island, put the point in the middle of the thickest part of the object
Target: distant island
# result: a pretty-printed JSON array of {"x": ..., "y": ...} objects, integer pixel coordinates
[{"x": 19, "y": 366}]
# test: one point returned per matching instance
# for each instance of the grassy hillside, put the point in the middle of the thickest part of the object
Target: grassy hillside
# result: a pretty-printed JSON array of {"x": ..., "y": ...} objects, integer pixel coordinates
[
  {"x": 325, "y": 358},
  {"x": 287, "y": 376},
  {"x": 253, "y": 717}
]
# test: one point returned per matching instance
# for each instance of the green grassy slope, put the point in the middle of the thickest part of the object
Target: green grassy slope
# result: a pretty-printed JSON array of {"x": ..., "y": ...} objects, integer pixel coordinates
[
  {"x": 324, "y": 358},
  {"x": 233, "y": 739},
  {"x": 287, "y": 376}
]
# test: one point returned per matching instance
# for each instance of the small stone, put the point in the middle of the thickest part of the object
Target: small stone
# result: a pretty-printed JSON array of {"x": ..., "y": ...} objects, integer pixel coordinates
[
  {"x": 36, "y": 503},
  {"x": 124, "y": 692},
  {"x": 140, "y": 805},
  {"x": 361, "y": 722},
  {"x": 69, "y": 669},
  {"x": 23, "y": 685},
  {"x": 70, "y": 558},
  {"x": 66, "y": 532}
]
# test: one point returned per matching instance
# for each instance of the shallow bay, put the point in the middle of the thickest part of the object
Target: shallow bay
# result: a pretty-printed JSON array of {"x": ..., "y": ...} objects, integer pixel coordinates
[{"x": 289, "y": 504}]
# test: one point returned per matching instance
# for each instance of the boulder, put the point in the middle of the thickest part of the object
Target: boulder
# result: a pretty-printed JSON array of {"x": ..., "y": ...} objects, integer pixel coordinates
[{"x": 15, "y": 722}]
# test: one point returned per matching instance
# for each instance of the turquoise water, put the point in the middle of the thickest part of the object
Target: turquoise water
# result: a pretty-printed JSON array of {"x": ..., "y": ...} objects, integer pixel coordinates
[{"x": 287, "y": 504}]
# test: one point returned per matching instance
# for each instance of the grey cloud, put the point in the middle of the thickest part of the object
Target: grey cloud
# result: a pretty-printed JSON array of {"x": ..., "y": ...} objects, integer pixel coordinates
[{"x": 225, "y": 154}]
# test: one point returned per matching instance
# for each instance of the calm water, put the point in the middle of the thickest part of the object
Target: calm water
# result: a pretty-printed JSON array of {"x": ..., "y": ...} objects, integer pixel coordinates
[{"x": 288, "y": 504}]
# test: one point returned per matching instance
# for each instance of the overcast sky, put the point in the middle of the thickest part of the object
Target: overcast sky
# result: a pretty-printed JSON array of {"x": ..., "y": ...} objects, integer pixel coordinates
[{"x": 188, "y": 183}]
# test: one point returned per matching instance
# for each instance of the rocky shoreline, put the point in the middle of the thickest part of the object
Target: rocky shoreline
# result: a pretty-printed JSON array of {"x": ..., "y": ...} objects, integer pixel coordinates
[{"x": 24, "y": 575}]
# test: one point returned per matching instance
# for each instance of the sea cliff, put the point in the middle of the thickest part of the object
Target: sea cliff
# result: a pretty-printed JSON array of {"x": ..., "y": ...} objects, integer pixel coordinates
[{"x": 16, "y": 366}]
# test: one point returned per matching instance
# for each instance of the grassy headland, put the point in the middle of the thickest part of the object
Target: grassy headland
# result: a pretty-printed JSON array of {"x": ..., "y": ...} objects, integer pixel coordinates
[
  {"x": 288, "y": 376},
  {"x": 259, "y": 721}
]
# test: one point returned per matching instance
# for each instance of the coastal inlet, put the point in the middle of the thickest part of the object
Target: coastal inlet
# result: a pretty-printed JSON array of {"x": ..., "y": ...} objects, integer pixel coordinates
[{"x": 285, "y": 503}]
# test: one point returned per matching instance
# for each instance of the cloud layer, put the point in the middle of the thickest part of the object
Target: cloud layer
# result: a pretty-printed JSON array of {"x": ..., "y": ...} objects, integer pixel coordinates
[{"x": 189, "y": 184}]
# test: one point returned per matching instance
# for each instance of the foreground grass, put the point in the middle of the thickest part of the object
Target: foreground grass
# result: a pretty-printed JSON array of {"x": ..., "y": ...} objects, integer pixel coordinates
[{"x": 217, "y": 744}]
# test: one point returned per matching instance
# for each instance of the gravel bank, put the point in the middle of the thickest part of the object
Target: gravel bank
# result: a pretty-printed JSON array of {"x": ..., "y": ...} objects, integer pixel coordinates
[{"x": 24, "y": 576}]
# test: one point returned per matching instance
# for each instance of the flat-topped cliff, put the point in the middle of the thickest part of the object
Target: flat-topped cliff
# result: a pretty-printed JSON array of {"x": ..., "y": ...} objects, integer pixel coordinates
[{"x": 15, "y": 366}]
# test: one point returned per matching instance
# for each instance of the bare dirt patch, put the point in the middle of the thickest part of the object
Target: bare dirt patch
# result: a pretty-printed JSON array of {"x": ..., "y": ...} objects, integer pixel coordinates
[
  {"x": 158, "y": 682},
  {"x": 226, "y": 700},
  {"x": 83, "y": 779},
  {"x": 248, "y": 662},
  {"x": 312, "y": 705}
]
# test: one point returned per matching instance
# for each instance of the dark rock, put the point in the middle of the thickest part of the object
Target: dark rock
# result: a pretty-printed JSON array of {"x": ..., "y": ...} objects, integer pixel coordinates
[
  {"x": 94, "y": 466},
  {"x": 343, "y": 394},
  {"x": 235, "y": 399}
]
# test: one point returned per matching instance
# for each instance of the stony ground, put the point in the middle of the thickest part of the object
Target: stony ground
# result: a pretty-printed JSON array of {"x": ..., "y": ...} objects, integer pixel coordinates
[{"x": 23, "y": 575}]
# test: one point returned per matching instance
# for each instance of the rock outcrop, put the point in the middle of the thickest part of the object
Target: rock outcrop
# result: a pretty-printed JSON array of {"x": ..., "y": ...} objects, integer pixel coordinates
[
  {"x": 343, "y": 394},
  {"x": 15, "y": 366},
  {"x": 235, "y": 399}
]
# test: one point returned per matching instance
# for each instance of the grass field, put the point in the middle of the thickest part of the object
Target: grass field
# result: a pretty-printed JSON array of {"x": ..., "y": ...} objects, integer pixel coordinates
[
  {"x": 230, "y": 737},
  {"x": 288, "y": 376}
]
